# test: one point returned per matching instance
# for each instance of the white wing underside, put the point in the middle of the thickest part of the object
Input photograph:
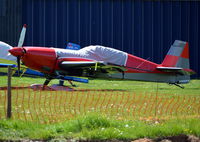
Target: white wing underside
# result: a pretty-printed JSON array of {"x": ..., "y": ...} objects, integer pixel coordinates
[{"x": 4, "y": 54}]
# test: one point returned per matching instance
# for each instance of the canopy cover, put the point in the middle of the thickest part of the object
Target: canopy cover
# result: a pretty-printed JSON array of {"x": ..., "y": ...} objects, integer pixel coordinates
[{"x": 95, "y": 52}]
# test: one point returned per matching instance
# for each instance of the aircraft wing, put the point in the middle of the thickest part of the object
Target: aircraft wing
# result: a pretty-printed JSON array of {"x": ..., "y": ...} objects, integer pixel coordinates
[
  {"x": 36, "y": 73},
  {"x": 96, "y": 65},
  {"x": 80, "y": 64}
]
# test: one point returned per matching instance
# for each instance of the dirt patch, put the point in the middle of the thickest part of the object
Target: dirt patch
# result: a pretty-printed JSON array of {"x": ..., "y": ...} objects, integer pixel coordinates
[{"x": 179, "y": 138}]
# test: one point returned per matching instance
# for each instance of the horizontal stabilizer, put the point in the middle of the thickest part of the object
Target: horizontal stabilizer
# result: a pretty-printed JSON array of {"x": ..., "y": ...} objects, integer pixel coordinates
[
  {"x": 169, "y": 68},
  {"x": 177, "y": 70},
  {"x": 172, "y": 70}
]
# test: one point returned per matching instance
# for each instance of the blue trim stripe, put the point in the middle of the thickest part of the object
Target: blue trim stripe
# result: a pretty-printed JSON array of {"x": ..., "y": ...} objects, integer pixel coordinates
[{"x": 6, "y": 65}]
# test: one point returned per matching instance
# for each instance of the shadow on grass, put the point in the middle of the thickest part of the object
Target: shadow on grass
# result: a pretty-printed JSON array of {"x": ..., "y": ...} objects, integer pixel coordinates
[{"x": 72, "y": 90}]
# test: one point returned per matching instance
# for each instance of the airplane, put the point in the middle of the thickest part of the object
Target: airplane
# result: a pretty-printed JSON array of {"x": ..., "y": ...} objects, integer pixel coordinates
[{"x": 103, "y": 62}]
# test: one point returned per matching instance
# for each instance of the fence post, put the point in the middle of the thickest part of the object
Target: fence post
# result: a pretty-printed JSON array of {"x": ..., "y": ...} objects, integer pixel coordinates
[{"x": 9, "y": 103}]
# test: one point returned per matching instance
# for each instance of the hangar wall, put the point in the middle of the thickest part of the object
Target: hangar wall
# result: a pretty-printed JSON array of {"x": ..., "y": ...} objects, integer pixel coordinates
[
  {"x": 10, "y": 21},
  {"x": 143, "y": 28}
]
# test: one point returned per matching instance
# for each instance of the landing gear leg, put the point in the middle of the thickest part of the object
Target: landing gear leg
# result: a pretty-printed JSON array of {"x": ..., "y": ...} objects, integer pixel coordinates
[
  {"x": 46, "y": 83},
  {"x": 178, "y": 85},
  {"x": 61, "y": 82},
  {"x": 71, "y": 83}
]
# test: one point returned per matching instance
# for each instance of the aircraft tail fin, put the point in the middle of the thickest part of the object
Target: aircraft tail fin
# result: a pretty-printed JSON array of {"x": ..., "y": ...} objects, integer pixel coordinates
[
  {"x": 177, "y": 62},
  {"x": 178, "y": 55}
]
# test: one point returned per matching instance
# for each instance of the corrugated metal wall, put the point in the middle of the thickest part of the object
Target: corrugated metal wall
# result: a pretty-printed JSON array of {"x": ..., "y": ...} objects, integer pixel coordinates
[
  {"x": 10, "y": 21},
  {"x": 140, "y": 27}
]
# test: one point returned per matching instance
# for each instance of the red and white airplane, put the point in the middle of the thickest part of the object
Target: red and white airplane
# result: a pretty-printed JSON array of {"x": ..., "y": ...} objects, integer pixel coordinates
[{"x": 103, "y": 62}]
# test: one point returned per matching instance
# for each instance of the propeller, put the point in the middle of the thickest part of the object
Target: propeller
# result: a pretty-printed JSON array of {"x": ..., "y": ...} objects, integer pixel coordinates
[
  {"x": 20, "y": 44},
  {"x": 16, "y": 52},
  {"x": 22, "y": 36}
]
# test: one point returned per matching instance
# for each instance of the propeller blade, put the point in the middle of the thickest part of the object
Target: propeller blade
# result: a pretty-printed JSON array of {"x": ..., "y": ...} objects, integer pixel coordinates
[
  {"x": 22, "y": 36},
  {"x": 18, "y": 65}
]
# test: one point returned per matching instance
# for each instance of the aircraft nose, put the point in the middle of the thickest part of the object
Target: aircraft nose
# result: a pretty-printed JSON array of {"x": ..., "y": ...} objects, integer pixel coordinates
[{"x": 17, "y": 51}]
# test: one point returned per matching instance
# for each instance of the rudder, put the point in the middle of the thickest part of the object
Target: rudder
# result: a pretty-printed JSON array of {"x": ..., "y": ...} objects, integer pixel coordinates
[{"x": 178, "y": 55}]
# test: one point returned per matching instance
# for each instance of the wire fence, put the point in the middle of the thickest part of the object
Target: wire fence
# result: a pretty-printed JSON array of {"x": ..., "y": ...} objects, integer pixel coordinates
[{"x": 56, "y": 106}]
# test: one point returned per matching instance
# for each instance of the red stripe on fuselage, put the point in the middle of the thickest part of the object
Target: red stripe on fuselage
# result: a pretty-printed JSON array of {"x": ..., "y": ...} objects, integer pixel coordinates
[{"x": 136, "y": 64}]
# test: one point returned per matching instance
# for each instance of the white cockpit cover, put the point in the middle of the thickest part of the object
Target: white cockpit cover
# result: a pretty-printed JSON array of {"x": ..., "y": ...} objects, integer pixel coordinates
[
  {"x": 98, "y": 53},
  {"x": 4, "y": 54}
]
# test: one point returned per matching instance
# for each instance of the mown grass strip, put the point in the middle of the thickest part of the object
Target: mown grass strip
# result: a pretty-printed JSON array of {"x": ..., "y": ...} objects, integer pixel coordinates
[{"x": 97, "y": 127}]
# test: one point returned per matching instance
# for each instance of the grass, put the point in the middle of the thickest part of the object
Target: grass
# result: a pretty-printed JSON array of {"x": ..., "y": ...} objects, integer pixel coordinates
[
  {"x": 192, "y": 88},
  {"x": 57, "y": 106},
  {"x": 106, "y": 124},
  {"x": 130, "y": 99},
  {"x": 97, "y": 127}
]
